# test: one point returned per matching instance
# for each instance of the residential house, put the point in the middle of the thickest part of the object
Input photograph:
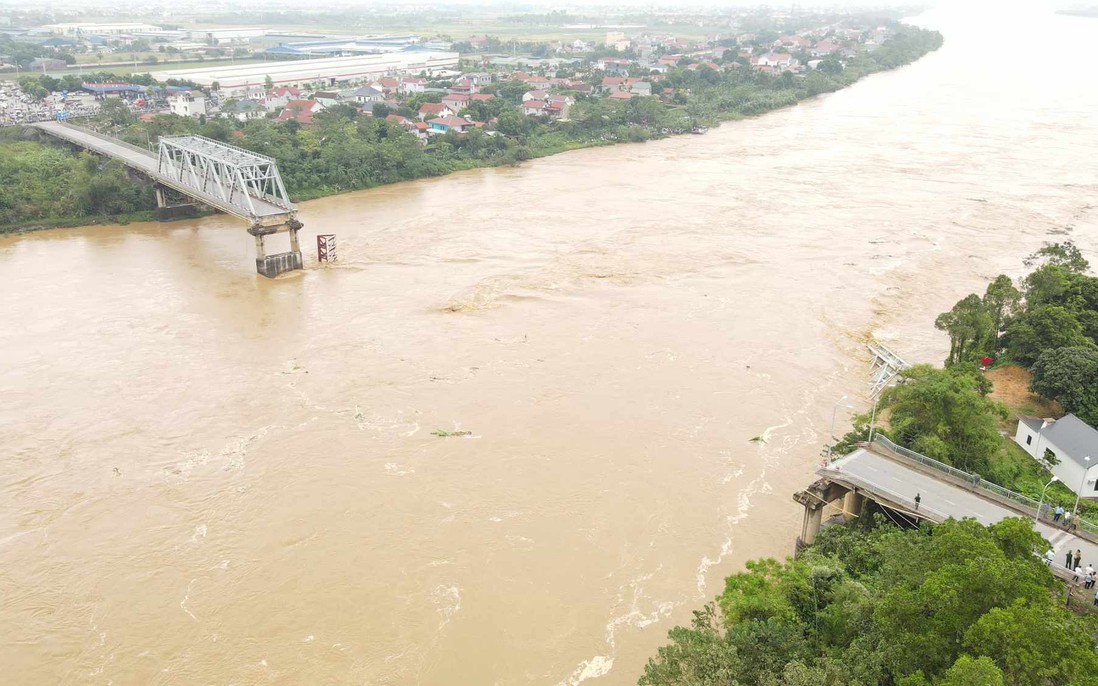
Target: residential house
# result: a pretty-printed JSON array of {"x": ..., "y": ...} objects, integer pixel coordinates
[
  {"x": 387, "y": 85},
  {"x": 326, "y": 98},
  {"x": 188, "y": 103},
  {"x": 535, "y": 95},
  {"x": 301, "y": 111},
  {"x": 824, "y": 48},
  {"x": 1069, "y": 446},
  {"x": 611, "y": 84},
  {"x": 613, "y": 65},
  {"x": 538, "y": 83},
  {"x": 412, "y": 84},
  {"x": 557, "y": 106},
  {"x": 414, "y": 127},
  {"x": 641, "y": 88},
  {"x": 277, "y": 98},
  {"x": 619, "y": 95},
  {"x": 533, "y": 107},
  {"x": 244, "y": 109},
  {"x": 464, "y": 86},
  {"x": 480, "y": 97},
  {"x": 367, "y": 94},
  {"x": 479, "y": 79},
  {"x": 777, "y": 61},
  {"x": 435, "y": 110},
  {"x": 792, "y": 42},
  {"x": 456, "y": 101},
  {"x": 444, "y": 124}
]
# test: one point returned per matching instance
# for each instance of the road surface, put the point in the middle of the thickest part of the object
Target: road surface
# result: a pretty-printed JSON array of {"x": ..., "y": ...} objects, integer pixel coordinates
[{"x": 940, "y": 498}]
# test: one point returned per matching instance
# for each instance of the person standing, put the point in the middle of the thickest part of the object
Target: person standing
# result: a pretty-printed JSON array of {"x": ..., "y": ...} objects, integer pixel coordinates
[
  {"x": 1048, "y": 558},
  {"x": 1067, "y": 563},
  {"x": 1067, "y": 520},
  {"x": 1078, "y": 557},
  {"x": 1078, "y": 571},
  {"x": 918, "y": 499},
  {"x": 1096, "y": 598},
  {"x": 1058, "y": 513}
]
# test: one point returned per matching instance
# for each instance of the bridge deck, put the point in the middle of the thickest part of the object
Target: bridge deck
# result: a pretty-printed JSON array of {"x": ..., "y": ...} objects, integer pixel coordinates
[
  {"x": 147, "y": 163},
  {"x": 900, "y": 483}
]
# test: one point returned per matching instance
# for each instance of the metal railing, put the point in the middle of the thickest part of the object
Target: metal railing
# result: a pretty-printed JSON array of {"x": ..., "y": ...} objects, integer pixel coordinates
[
  {"x": 897, "y": 498},
  {"x": 104, "y": 137},
  {"x": 976, "y": 481}
]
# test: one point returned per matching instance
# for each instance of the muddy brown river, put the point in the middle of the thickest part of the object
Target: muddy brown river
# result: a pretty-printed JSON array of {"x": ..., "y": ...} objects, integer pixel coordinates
[{"x": 209, "y": 477}]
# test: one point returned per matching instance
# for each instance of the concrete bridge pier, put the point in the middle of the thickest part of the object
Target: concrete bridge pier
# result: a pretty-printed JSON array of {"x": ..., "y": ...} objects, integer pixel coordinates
[
  {"x": 852, "y": 505},
  {"x": 817, "y": 497},
  {"x": 166, "y": 211},
  {"x": 271, "y": 265}
]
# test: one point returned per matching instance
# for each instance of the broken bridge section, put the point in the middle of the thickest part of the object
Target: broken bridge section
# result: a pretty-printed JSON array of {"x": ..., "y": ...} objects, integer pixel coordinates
[
  {"x": 236, "y": 181},
  {"x": 246, "y": 182}
]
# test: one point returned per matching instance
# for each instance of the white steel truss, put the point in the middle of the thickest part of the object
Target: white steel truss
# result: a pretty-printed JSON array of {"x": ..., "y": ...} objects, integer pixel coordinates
[
  {"x": 886, "y": 365},
  {"x": 244, "y": 181}
]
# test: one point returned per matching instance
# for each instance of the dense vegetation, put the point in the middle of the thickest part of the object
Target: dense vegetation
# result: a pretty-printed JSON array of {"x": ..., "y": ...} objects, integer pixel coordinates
[
  {"x": 1049, "y": 325},
  {"x": 956, "y": 604},
  {"x": 344, "y": 150},
  {"x": 50, "y": 185}
]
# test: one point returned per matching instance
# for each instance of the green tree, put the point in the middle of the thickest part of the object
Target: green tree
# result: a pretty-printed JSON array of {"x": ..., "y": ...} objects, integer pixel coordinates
[
  {"x": 970, "y": 671},
  {"x": 268, "y": 83},
  {"x": 116, "y": 112},
  {"x": 970, "y": 327},
  {"x": 944, "y": 413},
  {"x": 1034, "y": 644},
  {"x": 1066, "y": 256},
  {"x": 1001, "y": 300},
  {"x": 1069, "y": 376},
  {"x": 1042, "y": 328}
]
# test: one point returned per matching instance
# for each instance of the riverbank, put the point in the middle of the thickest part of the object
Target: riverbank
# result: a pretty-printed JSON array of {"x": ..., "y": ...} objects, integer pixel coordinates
[{"x": 342, "y": 150}]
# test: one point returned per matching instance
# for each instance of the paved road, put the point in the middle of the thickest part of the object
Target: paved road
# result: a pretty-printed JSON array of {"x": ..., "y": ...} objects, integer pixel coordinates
[
  {"x": 941, "y": 499},
  {"x": 147, "y": 163}
]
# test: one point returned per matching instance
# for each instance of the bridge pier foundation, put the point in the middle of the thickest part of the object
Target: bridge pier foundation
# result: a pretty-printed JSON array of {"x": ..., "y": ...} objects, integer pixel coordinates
[
  {"x": 166, "y": 211},
  {"x": 852, "y": 505},
  {"x": 277, "y": 263},
  {"x": 810, "y": 526}
]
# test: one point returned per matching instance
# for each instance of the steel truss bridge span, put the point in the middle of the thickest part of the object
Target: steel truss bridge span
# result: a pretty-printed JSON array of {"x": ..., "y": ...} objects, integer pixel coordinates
[{"x": 236, "y": 181}]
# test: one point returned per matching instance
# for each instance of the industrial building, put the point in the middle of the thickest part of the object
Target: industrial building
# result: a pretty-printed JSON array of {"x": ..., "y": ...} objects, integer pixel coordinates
[
  {"x": 223, "y": 36},
  {"x": 84, "y": 29},
  {"x": 238, "y": 79},
  {"x": 337, "y": 47}
]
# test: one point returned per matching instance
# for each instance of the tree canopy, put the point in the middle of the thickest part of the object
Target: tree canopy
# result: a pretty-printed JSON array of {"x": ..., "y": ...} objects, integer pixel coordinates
[{"x": 947, "y": 605}]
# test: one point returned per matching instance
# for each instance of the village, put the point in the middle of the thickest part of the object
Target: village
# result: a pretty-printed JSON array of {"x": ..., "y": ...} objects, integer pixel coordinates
[{"x": 428, "y": 88}]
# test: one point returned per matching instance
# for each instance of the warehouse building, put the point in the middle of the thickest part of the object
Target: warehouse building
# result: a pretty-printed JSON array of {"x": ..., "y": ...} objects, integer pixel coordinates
[
  {"x": 238, "y": 79},
  {"x": 86, "y": 29}
]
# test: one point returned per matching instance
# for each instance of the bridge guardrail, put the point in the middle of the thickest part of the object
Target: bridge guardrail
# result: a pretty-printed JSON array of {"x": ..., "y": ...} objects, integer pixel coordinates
[
  {"x": 113, "y": 141},
  {"x": 899, "y": 498},
  {"x": 975, "y": 480}
]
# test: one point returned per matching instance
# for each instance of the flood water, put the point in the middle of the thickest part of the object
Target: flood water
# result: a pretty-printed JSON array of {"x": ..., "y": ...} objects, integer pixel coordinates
[{"x": 209, "y": 477}]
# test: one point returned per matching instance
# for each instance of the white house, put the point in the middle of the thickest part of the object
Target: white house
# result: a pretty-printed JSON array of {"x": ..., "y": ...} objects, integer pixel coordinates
[
  {"x": 188, "y": 104},
  {"x": 1069, "y": 445}
]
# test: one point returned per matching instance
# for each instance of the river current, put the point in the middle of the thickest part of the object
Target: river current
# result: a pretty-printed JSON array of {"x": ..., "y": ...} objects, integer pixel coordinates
[{"x": 209, "y": 477}]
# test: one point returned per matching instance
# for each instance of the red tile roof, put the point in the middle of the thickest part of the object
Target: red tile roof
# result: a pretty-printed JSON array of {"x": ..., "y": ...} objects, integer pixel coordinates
[
  {"x": 432, "y": 108},
  {"x": 451, "y": 121}
]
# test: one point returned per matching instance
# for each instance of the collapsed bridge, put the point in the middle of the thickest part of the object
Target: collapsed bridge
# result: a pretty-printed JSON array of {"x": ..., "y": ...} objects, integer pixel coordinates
[{"x": 236, "y": 181}]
